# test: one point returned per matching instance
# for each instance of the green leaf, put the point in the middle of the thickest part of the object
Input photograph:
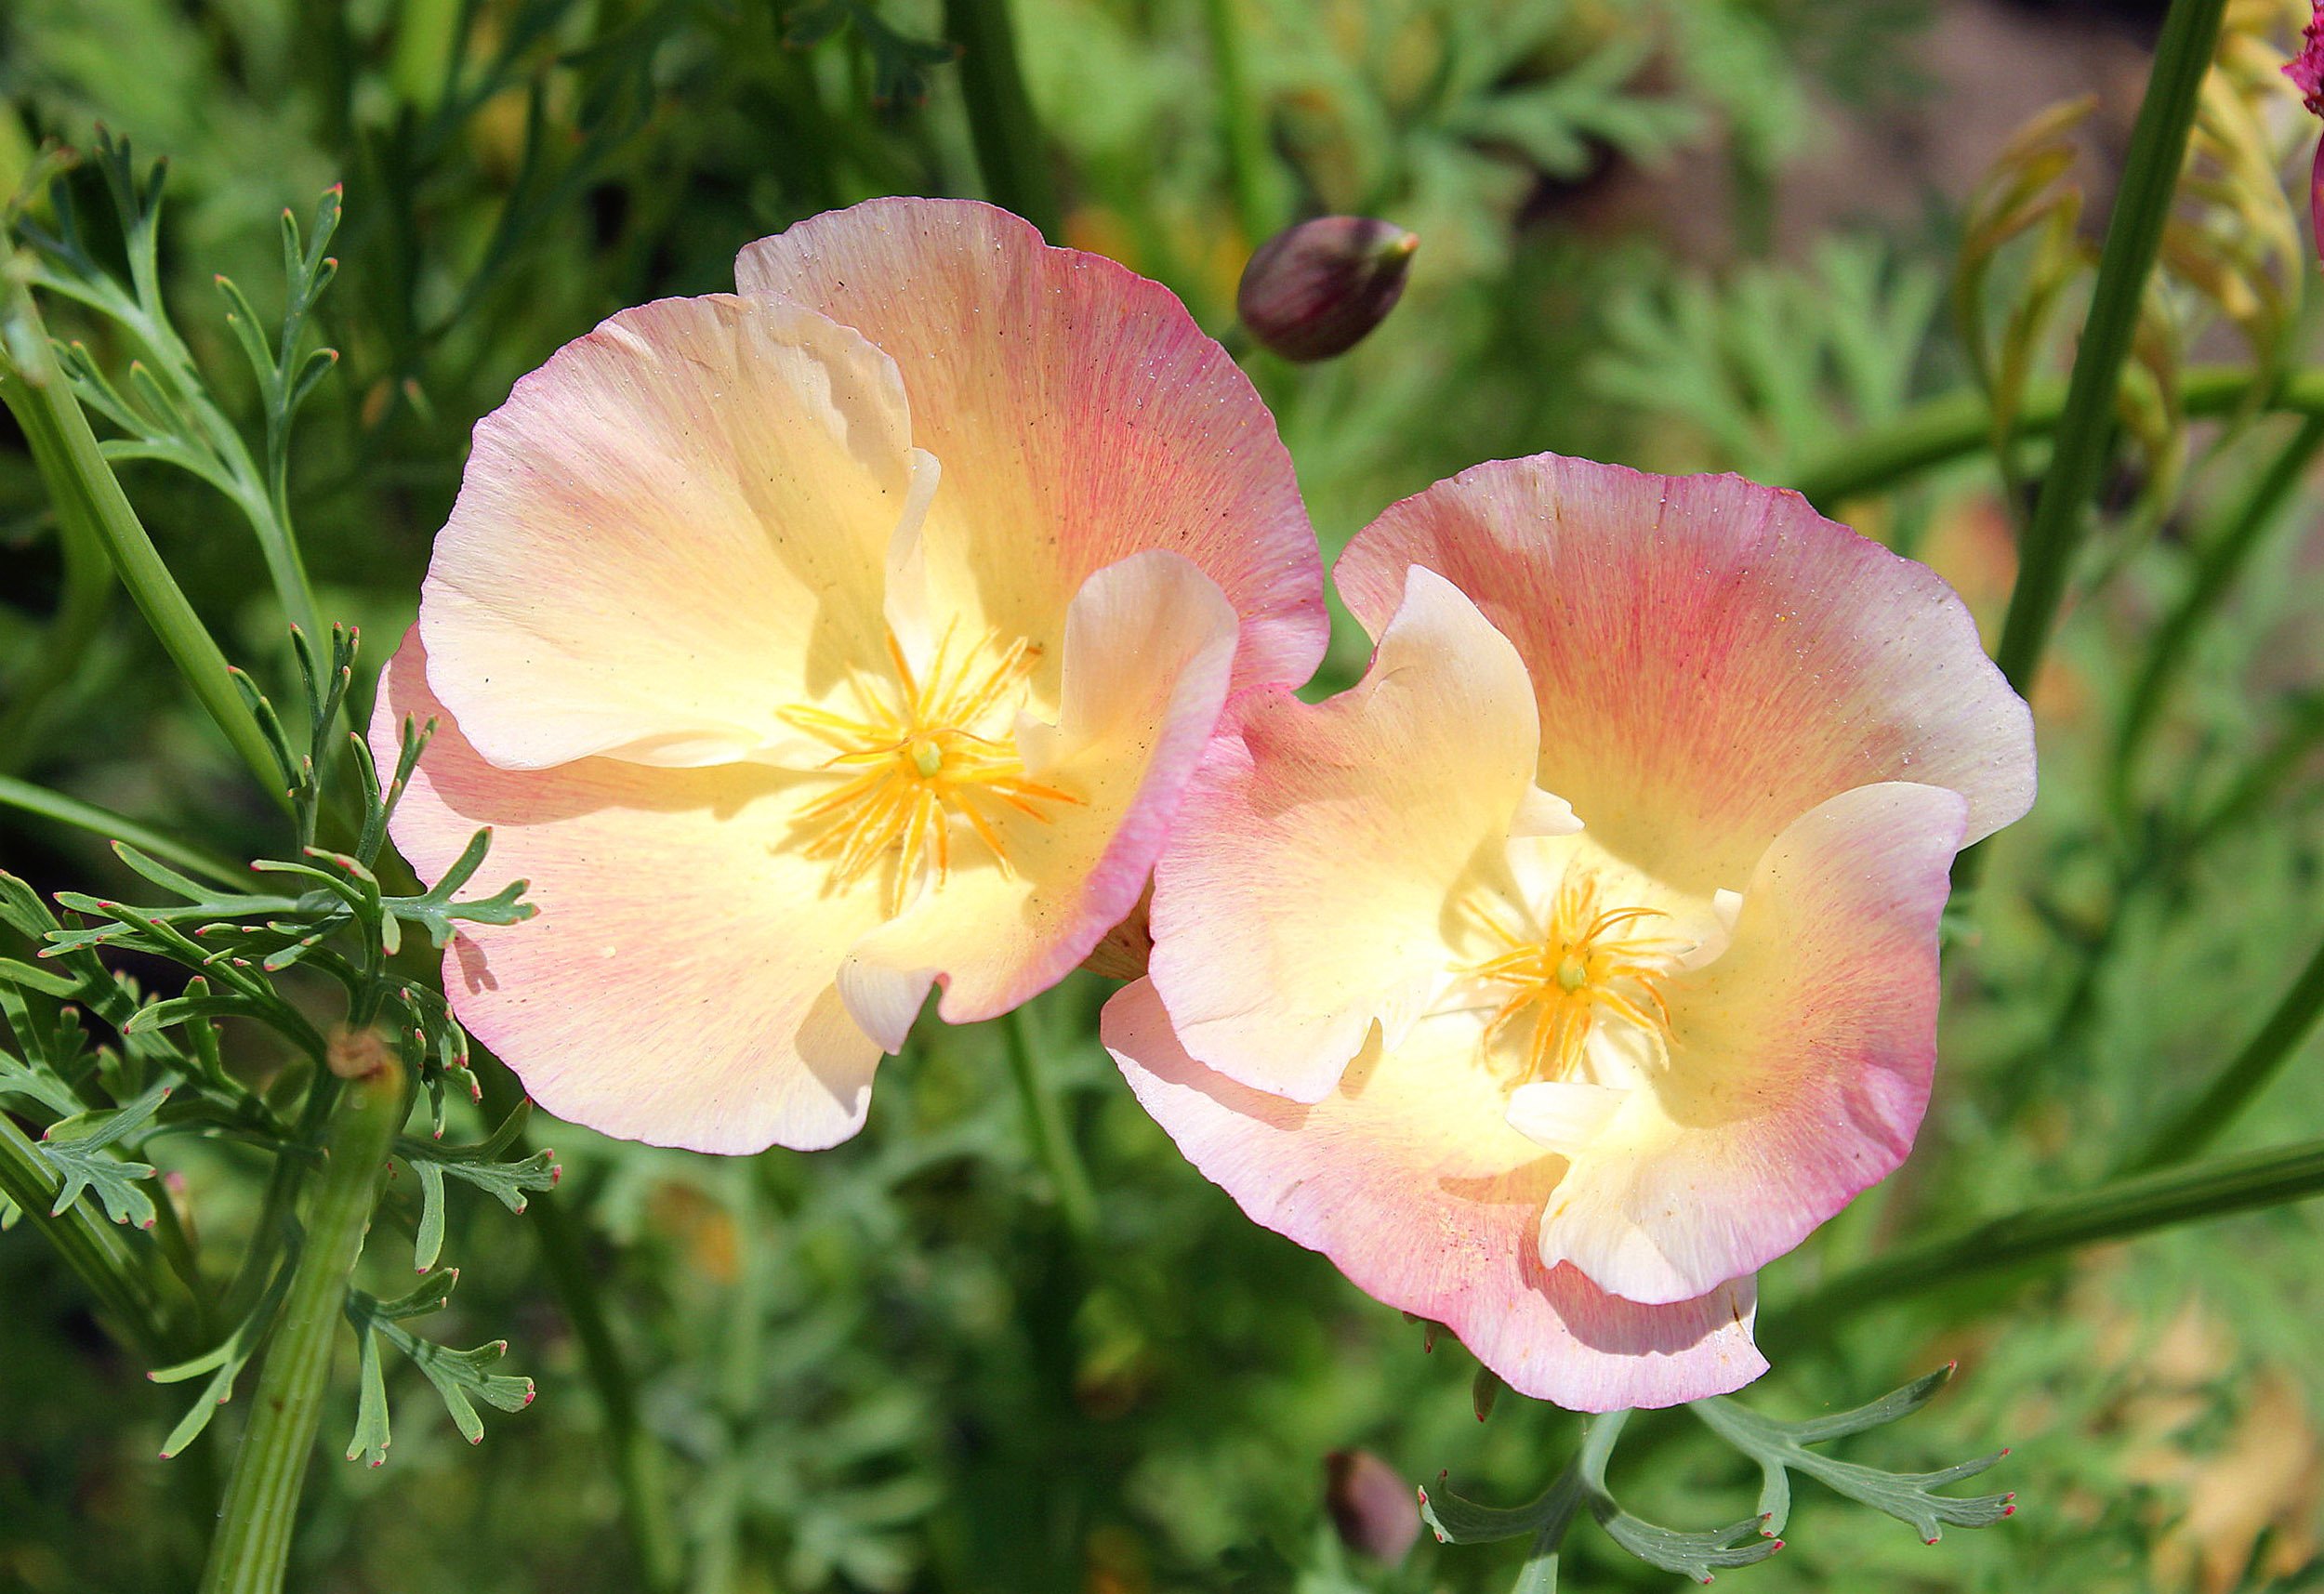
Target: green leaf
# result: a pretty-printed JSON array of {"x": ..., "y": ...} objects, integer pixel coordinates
[
  {"x": 1780, "y": 1448},
  {"x": 461, "y": 1379},
  {"x": 224, "y": 1364},
  {"x": 79, "y": 1151}
]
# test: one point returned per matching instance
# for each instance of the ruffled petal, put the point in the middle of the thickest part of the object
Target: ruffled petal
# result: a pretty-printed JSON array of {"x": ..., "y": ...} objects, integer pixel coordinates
[
  {"x": 1303, "y": 898},
  {"x": 677, "y": 985},
  {"x": 1080, "y": 414},
  {"x": 1711, "y": 657},
  {"x": 672, "y": 530},
  {"x": 1800, "y": 1061},
  {"x": 1406, "y": 1177},
  {"x": 1149, "y": 645}
]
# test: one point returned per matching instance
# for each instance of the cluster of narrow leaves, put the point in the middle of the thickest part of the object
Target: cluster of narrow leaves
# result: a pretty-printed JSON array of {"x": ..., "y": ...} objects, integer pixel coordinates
[
  {"x": 328, "y": 920},
  {"x": 1776, "y": 1447}
]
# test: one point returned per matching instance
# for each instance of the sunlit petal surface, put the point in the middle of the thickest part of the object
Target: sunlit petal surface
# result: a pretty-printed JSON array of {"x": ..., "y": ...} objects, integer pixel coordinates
[
  {"x": 1582, "y": 1012},
  {"x": 874, "y": 622}
]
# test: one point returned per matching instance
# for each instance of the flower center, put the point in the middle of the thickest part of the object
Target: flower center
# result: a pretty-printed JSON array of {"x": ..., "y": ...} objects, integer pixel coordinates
[
  {"x": 921, "y": 751},
  {"x": 1584, "y": 964}
]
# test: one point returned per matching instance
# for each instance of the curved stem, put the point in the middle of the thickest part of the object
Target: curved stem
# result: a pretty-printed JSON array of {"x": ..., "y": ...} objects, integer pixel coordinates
[
  {"x": 1045, "y": 1124},
  {"x": 2224, "y": 556},
  {"x": 1008, "y": 146},
  {"x": 2126, "y": 1207},
  {"x": 1958, "y": 424},
  {"x": 2085, "y": 432},
  {"x": 261, "y": 1508},
  {"x": 83, "y": 487},
  {"x": 2203, "y": 1120}
]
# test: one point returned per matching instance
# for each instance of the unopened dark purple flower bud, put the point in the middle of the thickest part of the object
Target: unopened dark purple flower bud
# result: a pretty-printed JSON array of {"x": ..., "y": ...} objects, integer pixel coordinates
[
  {"x": 1314, "y": 290},
  {"x": 1378, "y": 1514}
]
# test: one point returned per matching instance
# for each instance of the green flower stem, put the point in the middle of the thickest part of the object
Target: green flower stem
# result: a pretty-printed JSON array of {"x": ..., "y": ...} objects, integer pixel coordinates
[
  {"x": 2194, "y": 1127},
  {"x": 2114, "y": 1211},
  {"x": 2085, "y": 431},
  {"x": 1956, "y": 425},
  {"x": 86, "y": 494},
  {"x": 80, "y": 815},
  {"x": 635, "y": 1453},
  {"x": 131, "y": 1293},
  {"x": 1045, "y": 1124},
  {"x": 1009, "y": 150},
  {"x": 255, "y": 1525},
  {"x": 1241, "y": 128},
  {"x": 2222, "y": 557}
]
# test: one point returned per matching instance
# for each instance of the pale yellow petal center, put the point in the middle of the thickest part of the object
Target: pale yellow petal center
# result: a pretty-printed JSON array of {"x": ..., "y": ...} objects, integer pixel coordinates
[
  {"x": 919, "y": 752},
  {"x": 1577, "y": 966},
  {"x": 1566, "y": 956}
]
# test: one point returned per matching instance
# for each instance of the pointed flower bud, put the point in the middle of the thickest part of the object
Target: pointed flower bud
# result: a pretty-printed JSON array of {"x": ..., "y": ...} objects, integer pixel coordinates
[{"x": 1316, "y": 290}]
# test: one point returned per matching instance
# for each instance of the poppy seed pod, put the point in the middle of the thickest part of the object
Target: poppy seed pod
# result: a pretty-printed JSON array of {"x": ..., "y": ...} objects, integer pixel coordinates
[{"x": 1316, "y": 290}]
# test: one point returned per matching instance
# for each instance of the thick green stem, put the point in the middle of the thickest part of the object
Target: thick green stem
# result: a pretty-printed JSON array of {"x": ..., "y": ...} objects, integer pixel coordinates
[
  {"x": 2085, "y": 432},
  {"x": 1045, "y": 1124},
  {"x": 80, "y": 815},
  {"x": 1958, "y": 424},
  {"x": 129, "y": 1292},
  {"x": 2224, "y": 556},
  {"x": 1008, "y": 146},
  {"x": 255, "y": 1525},
  {"x": 633, "y": 1452},
  {"x": 2194, "y": 1127},
  {"x": 2114, "y": 1211},
  {"x": 85, "y": 492}
]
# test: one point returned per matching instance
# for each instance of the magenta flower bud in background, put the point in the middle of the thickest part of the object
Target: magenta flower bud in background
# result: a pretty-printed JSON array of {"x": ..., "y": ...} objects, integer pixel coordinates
[
  {"x": 2306, "y": 71},
  {"x": 1315, "y": 291}
]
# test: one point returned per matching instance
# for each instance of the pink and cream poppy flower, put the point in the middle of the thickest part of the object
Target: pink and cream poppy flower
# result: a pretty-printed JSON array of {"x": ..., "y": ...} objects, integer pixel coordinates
[
  {"x": 1583, "y": 957},
  {"x": 807, "y": 647}
]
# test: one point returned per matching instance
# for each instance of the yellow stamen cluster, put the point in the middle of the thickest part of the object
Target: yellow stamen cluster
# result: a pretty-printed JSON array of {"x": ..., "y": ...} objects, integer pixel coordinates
[
  {"x": 1577, "y": 967},
  {"x": 917, "y": 756}
]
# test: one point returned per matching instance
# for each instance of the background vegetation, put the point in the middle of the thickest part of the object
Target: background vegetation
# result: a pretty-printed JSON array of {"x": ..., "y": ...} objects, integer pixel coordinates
[{"x": 1766, "y": 235}]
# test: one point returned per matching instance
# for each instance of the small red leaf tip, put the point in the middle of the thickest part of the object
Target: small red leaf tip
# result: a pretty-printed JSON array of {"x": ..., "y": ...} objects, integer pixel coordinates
[
  {"x": 2010, "y": 1495},
  {"x": 337, "y": 188},
  {"x": 1953, "y": 1366},
  {"x": 478, "y": 1440},
  {"x": 2006, "y": 1450},
  {"x": 2009, "y": 1511},
  {"x": 1928, "y": 1541},
  {"x": 530, "y": 1395},
  {"x": 1779, "y": 1545}
]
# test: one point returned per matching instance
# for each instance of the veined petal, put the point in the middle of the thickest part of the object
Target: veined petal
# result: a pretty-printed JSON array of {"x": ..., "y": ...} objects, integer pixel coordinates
[
  {"x": 1408, "y": 1179},
  {"x": 677, "y": 987},
  {"x": 671, "y": 530},
  {"x": 1149, "y": 646},
  {"x": 1304, "y": 896},
  {"x": 1711, "y": 657},
  {"x": 1080, "y": 414},
  {"x": 1800, "y": 1065}
]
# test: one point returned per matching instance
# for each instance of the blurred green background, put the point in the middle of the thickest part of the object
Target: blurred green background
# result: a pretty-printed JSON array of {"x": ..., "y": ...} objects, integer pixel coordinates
[{"x": 1699, "y": 234}]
